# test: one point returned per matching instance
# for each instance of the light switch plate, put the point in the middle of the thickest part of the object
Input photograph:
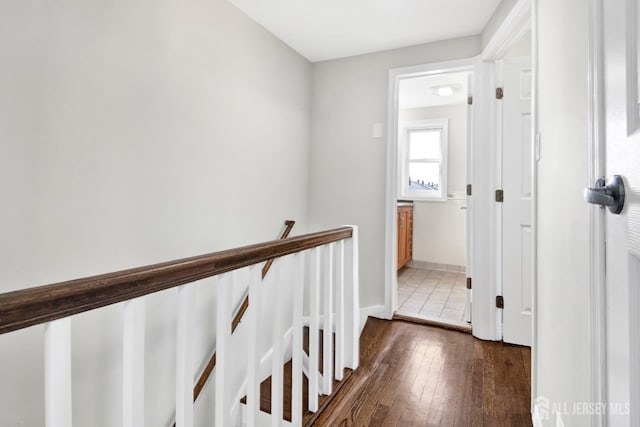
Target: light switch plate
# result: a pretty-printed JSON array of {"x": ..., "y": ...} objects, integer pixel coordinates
[{"x": 377, "y": 130}]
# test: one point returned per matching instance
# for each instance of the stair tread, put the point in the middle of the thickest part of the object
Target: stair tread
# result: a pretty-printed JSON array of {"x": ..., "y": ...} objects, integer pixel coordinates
[
  {"x": 308, "y": 417},
  {"x": 323, "y": 400}
]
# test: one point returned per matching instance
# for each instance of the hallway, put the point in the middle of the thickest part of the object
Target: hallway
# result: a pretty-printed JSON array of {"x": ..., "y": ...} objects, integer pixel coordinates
[{"x": 415, "y": 375}]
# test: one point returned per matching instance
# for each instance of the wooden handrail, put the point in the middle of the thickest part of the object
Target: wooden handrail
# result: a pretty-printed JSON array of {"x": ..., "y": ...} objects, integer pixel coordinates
[
  {"x": 33, "y": 306},
  {"x": 211, "y": 364},
  {"x": 288, "y": 225}
]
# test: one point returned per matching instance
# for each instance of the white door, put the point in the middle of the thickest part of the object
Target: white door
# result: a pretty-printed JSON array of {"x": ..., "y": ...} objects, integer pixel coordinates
[
  {"x": 516, "y": 209},
  {"x": 622, "y": 120}
]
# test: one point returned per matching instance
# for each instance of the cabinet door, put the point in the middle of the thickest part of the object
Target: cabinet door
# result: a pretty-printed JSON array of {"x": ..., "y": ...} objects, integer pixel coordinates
[
  {"x": 409, "y": 238},
  {"x": 402, "y": 238}
]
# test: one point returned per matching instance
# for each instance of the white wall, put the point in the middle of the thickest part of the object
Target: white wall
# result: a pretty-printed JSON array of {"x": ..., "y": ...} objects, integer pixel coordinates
[
  {"x": 562, "y": 347},
  {"x": 347, "y": 168},
  {"x": 439, "y": 228},
  {"x": 521, "y": 48},
  {"x": 133, "y": 132}
]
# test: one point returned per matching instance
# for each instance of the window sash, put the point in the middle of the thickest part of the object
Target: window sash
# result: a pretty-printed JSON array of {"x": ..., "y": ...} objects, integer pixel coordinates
[
  {"x": 425, "y": 194},
  {"x": 413, "y": 131}
]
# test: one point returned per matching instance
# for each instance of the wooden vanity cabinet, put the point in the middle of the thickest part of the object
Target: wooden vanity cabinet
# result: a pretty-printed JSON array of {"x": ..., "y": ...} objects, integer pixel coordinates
[{"x": 405, "y": 235}]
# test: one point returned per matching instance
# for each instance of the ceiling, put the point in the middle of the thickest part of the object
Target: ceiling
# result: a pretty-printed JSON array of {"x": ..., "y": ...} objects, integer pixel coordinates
[
  {"x": 329, "y": 29},
  {"x": 419, "y": 92}
]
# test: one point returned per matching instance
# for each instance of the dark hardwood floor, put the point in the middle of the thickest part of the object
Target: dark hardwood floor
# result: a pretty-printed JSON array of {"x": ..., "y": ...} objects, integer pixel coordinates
[{"x": 417, "y": 375}]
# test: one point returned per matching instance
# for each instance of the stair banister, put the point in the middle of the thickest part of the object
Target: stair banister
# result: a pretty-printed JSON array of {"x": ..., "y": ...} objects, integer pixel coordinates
[
  {"x": 33, "y": 306},
  {"x": 53, "y": 305},
  {"x": 208, "y": 370}
]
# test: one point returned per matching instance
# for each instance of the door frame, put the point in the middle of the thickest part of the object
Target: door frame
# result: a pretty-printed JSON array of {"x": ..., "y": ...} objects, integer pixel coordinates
[
  {"x": 515, "y": 25},
  {"x": 391, "y": 196},
  {"x": 597, "y": 216},
  {"x": 484, "y": 264}
]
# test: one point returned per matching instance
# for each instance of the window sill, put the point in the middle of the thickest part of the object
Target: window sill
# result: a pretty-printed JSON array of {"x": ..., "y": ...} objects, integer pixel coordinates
[{"x": 417, "y": 199}]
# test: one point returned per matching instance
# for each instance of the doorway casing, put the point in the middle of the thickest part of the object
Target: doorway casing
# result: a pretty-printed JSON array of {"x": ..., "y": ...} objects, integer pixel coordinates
[
  {"x": 483, "y": 173},
  {"x": 395, "y": 76}
]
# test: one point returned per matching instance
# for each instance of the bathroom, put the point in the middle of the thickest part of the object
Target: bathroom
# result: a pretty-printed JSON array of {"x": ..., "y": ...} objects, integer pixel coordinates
[{"x": 433, "y": 115}]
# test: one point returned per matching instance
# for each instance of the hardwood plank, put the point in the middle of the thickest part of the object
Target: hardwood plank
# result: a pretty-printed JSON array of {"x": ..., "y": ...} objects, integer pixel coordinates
[{"x": 416, "y": 375}]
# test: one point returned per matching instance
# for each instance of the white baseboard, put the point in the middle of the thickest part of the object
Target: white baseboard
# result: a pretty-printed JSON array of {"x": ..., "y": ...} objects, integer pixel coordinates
[
  {"x": 541, "y": 412},
  {"x": 376, "y": 311},
  {"x": 535, "y": 417},
  {"x": 437, "y": 266}
]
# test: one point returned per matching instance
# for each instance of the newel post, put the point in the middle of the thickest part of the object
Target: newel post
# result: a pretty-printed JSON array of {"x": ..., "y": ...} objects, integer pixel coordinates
[{"x": 352, "y": 300}]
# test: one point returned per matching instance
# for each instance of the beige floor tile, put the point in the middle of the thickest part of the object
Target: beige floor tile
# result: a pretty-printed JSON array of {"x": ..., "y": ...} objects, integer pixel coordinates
[{"x": 432, "y": 293}]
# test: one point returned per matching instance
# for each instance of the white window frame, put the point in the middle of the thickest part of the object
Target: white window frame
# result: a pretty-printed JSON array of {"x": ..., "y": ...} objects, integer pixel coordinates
[{"x": 405, "y": 128}]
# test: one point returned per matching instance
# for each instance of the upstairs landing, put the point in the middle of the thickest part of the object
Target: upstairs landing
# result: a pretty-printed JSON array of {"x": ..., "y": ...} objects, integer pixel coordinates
[{"x": 417, "y": 375}]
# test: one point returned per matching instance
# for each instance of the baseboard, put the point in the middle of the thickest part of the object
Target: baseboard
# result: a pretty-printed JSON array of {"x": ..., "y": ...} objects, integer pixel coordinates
[
  {"x": 376, "y": 311},
  {"x": 434, "y": 321},
  {"x": 436, "y": 266},
  {"x": 535, "y": 417},
  {"x": 537, "y": 421},
  {"x": 542, "y": 412}
]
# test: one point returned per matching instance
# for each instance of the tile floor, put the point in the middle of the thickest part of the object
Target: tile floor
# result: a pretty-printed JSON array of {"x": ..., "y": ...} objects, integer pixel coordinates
[{"x": 432, "y": 293}]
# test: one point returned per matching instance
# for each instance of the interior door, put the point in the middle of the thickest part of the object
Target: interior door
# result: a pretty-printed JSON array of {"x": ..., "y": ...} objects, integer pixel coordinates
[
  {"x": 516, "y": 209},
  {"x": 622, "y": 120}
]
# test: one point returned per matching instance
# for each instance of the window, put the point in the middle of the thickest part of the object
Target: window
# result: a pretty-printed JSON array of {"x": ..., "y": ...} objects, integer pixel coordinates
[{"x": 423, "y": 160}]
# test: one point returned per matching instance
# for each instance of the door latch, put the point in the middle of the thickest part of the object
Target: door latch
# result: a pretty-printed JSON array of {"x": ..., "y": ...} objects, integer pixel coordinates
[{"x": 606, "y": 194}]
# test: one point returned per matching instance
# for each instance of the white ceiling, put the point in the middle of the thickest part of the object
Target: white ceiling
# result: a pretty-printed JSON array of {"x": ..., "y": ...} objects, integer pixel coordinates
[
  {"x": 421, "y": 91},
  {"x": 328, "y": 29}
]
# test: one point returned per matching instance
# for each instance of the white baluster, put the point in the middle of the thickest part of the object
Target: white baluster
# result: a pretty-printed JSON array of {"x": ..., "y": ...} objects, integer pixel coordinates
[
  {"x": 133, "y": 338},
  {"x": 57, "y": 373},
  {"x": 297, "y": 345},
  {"x": 223, "y": 351},
  {"x": 184, "y": 369},
  {"x": 339, "y": 268},
  {"x": 253, "y": 321},
  {"x": 314, "y": 314},
  {"x": 327, "y": 333},
  {"x": 352, "y": 297},
  {"x": 281, "y": 276}
]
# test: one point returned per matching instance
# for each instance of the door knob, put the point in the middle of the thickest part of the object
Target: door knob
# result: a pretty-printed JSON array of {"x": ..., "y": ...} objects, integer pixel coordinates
[{"x": 607, "y": 194}]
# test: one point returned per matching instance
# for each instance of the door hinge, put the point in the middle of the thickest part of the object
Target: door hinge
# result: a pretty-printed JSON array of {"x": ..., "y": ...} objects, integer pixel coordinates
[
  {"x": 499, "y": 301},
  {"x": 468, "y": 189},
  {"x": 499, "y": 93},
  {"x": 470, "y": 100},
  {"x": 468, "y": 282},
  {"x": 499, "y": 196}
]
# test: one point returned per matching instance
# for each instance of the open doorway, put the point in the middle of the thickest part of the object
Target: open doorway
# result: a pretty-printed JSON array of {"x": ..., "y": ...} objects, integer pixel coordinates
[{"x": 432, "y": 138}]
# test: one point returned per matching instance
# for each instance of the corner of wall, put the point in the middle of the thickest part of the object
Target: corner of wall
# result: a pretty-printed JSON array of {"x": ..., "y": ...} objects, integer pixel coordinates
[
  {"x": 377, "y": 311},
  {"x": 501, "y": 12}
]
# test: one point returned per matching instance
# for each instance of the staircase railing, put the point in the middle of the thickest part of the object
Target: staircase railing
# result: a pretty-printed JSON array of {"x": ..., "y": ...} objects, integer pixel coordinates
[
  {"x": 211, "y": 364},
  {"x": 331, "y": 260}
]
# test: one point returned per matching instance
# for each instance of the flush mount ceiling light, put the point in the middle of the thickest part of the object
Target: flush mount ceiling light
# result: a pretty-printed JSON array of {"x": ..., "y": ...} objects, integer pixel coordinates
[{"x": 445, "y": 91}]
